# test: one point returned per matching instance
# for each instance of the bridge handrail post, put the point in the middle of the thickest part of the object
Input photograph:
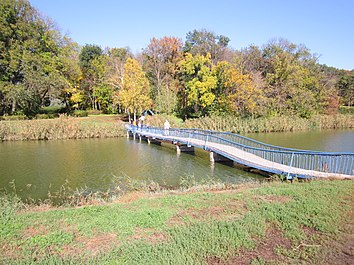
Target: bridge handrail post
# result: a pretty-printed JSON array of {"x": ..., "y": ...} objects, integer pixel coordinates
[{"x": 290, "y": 165}]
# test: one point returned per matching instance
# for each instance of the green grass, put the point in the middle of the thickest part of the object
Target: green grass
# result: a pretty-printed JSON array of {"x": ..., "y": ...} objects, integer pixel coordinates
[{"x": 188, "y": 228}]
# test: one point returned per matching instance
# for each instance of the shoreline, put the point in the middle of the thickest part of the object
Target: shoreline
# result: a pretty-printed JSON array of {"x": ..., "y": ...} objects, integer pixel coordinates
[{"x": 65, "y": 127}]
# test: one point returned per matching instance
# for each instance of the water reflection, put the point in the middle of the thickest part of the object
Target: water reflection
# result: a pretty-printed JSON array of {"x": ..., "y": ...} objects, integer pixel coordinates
[{"x": 98, "y": 163}]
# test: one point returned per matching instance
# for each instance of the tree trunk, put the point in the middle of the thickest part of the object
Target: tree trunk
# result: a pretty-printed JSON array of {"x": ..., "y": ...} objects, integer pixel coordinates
[
  {"x": 130, "y": 120},
  {"x": 13, "y": 107}
]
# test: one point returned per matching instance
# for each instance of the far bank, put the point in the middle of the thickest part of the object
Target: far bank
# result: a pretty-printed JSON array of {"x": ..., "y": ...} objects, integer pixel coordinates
[{"x": 108, "y": 126}]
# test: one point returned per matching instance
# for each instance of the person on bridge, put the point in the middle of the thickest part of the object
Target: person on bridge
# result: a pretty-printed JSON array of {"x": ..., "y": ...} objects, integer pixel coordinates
[{"x": 166, "y": 127}]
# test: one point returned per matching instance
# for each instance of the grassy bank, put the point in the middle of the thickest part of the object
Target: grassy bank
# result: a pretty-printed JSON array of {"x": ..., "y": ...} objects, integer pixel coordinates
[
  {"x": 101, "y": 126},
  {"x": 250, "y": 125},
  {"x": 63, "y": 127},
  {"x": 276, "y": 223}
]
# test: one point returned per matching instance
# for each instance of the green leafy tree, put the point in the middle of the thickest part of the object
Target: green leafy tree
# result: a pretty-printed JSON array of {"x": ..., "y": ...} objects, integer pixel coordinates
[
  {"x": 345, "y": 86},
  {"x": 91, "y": 65},
  {"x": 203, "y": 42},
  {"x": 198, "y": 82},
  {"x": 30, "y": 68},
  {"x": 292, "y": 86}
]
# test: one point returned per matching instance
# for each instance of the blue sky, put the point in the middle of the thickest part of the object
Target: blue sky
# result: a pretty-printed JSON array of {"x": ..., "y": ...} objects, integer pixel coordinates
[{"x": 325, "y": 27}]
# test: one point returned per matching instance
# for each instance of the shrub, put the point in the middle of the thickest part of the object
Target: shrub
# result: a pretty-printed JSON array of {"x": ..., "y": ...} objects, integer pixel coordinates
[
  {"x": 47, "y": 116},
  {"x": 346, "y": 109},
  {"x": 94, "y": 112},
  {"x": 14, "y": 117},
  {"x": 52, "y": 110},
  {"x": 80, "y": 113}
]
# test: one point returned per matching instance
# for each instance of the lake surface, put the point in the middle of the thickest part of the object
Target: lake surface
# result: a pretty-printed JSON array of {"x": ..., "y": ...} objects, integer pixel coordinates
[
  {"x": 321, "y": 140},
  {"x": 100, "y": 164}
]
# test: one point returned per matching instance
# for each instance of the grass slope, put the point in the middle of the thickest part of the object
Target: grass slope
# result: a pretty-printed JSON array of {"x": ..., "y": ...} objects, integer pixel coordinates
[{"x": 277, "y": 223}]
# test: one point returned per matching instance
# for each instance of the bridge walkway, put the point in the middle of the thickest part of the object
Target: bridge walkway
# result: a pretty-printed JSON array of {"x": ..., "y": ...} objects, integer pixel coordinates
[{"x": 272, "y": 159}]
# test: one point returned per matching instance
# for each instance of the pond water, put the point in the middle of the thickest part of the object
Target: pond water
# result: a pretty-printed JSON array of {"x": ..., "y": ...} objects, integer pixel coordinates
[
  {"x": 319, "y": 140},
  {"x": 99, "y": 164}
]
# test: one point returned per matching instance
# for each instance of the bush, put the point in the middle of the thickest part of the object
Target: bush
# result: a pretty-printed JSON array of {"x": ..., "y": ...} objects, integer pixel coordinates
[
  {"x": 94, "y": 112},
  {"x": 14, "y": 118},
  {"x": 47, "y": 116},
  {"x": 52, "y": 110},
  {"x": 80, "y": 113},
  {"x": 346, "y": 109}
]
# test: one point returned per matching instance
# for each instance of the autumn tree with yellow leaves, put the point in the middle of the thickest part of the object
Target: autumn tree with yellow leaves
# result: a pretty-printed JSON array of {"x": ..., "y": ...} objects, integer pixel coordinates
[{"x": 134, "y": 96}]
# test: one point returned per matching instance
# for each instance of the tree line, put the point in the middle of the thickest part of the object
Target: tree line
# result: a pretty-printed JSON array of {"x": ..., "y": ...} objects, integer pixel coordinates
[{"x": 203, "y": 75}]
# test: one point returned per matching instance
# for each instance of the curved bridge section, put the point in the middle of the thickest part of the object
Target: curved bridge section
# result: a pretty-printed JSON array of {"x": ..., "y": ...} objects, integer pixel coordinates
[{"x": 254, "y": 154}]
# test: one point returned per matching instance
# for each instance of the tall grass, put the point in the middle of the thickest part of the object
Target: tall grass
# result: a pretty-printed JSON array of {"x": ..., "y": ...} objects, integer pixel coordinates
[
  {"x": 66, "y": 127},
  {"x": 63, "y": 127},
  {"x": 273, "y": 124}
]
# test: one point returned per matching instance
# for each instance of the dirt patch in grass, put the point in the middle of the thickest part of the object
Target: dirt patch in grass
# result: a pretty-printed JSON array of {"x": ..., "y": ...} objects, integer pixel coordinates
[
  {"x": 10, "y": 252},
  {"x": 32, "y": 231},
  {"x": 265, "y": 250},
  {"x": 131, "y": 197},
  {"x": 150, "y": 235},
  {"x": 229, "y": 211},
  {"x": 91, "y": 245}
]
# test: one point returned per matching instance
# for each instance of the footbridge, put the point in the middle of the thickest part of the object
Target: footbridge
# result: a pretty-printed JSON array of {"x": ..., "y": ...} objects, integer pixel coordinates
[{"x": 224, "y": 146}]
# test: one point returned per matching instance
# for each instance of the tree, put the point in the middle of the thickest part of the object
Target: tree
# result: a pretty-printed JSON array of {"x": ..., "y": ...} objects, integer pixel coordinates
[
  {"x": 116, "y": 60},
  {"x": 203, "y": 42},
  {"x": 88, "y": 53},
  {"x": 293, "y": 86},
  {"x": 30, "y": 68},
  {"x": 90, "y": 58},
  {"x": 135, "y": 93},
  {"x": 162, "y": 56},
  {"x": 346, "y": 87},
  {"x": 237, "y": 93},
  {"x": 72, "y": 96},
  {"x": 250, "y": 60},
  {"x": 198, "y": 82}
]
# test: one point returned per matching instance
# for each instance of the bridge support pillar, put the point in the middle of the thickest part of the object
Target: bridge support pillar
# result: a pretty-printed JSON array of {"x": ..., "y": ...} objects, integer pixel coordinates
[
  {"x": 184, "y": 149},
  {"x": 153, "y": 141},
  {"x": 142, "y": 137},
  {"x": 215, "y": 157},
  {"x": 130, "y": 134}
]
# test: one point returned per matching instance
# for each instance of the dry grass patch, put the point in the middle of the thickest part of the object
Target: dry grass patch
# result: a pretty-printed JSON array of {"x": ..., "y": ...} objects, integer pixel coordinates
[{"x": 265, "y": 250}]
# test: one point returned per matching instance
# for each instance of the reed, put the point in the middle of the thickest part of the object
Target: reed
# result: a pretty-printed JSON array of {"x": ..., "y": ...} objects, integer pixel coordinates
[
  {"x": 62, "y": 128},
  {"x": 272, "y": 124},
  {"x": 66, "y": 127}
]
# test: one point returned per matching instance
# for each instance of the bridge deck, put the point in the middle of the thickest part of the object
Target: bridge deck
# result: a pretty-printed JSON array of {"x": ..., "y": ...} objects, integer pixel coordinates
[{"x": 245, "y": 158}]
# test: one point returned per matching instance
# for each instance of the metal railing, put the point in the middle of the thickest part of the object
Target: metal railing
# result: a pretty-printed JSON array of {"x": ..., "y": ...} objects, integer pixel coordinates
[{"x": 328, "y": 162}]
